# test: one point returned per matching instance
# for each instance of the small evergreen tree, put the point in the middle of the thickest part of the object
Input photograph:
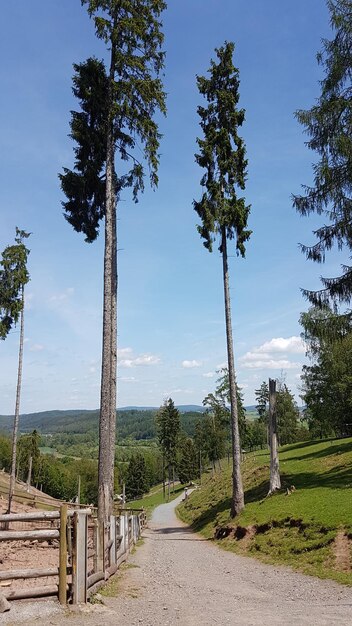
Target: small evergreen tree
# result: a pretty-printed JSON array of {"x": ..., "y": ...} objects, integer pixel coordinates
[
  {"x": 168, "y": 430},
  {"x": 136, "y": 478},
  {"x": 187, "y": 462}
]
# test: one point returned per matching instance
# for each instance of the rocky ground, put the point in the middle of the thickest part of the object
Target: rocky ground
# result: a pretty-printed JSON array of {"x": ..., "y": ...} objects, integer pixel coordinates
[{"x": 176, "y": 577}]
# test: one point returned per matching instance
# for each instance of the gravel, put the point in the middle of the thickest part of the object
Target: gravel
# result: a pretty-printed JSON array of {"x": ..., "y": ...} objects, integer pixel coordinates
[{"x": 179, "y": 578}]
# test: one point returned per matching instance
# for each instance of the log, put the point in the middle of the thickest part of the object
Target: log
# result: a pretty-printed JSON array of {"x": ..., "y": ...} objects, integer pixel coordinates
[
  {"x": 15, "y": 574},
  {"x": 28, "y": 535},
  {"x": 29, "y": 517},
  {"x": 111, "y": 570},
  {"x": 94, "y": 578},
  {"x": 4, "y": 604},
  {"x": 34, "y": 592}
]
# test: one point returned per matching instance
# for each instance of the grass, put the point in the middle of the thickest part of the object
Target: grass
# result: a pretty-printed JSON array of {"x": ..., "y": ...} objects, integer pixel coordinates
[
  {"x": 301, "y": 529},
  {"x": 154, "y": 498}
]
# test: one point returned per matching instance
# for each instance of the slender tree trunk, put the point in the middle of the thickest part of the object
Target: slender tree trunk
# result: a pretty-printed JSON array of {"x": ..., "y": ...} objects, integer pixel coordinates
[
  {"x": 237, "y": 503},
  {"x": 17, "y": 409},
  {"x": 164, "y": 488},
  {"x": 107, "y": 423},
  {"x": 29, "y": 477},
  {"x": 200, "y": 467},
  {"x": 275, "y": 482},
  {"x": 168, "y": 482}
]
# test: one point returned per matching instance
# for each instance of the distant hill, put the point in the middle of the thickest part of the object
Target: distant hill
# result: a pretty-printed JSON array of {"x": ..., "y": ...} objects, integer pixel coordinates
[{"x": 132, "y": 422}]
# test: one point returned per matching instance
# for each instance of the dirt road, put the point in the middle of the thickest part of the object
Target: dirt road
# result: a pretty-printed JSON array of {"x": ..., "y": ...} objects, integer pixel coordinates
[{"x": 177, "y": 578}]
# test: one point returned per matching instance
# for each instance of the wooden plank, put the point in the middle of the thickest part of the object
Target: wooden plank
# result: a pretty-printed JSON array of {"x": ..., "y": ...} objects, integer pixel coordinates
[
  {"x": 63, "y": 555},
  {"x": 79, "y": 560},
  {"x": 28, "y": 535},
  {"x": 15, "y": 574}
]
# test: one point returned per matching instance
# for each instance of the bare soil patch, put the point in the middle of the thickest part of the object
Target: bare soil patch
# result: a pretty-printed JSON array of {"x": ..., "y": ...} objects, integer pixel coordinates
[{"x": 342, "y": 551}]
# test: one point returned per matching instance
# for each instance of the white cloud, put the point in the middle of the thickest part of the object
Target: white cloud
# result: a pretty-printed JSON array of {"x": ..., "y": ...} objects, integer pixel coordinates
[
  {"x": 36, "y": 347},
  {"x": 62, "y": 296},
  {"x": 128, "y": 379},
  {"x": 190, "y": 364},
  {"x": 222, "y": 366},
  {"x": 209, "y": 375},
  {"x": 124, "y": 351},
  {"x": 143, "y": 359},
  {"x": 278, "y": 364},
  {"x": 291, "y": 345},
  {"x": 274, "y": 354}
]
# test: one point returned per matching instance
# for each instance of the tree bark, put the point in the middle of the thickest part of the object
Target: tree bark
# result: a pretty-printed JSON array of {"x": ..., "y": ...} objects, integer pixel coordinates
[
  {"x": 29, "y": 477},
  {"x": 237, "y": 503},
  {"x": 107, "y": 423},
  {"x": 275, "y": 482},
  {"x": 17, "y": 409}
]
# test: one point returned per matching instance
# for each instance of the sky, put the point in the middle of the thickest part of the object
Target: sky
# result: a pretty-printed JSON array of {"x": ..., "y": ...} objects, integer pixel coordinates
[{"x": 171, "y": 328}]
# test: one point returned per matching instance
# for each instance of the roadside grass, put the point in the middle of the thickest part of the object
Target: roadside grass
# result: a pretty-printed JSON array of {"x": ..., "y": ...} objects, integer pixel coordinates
[
  {"x": 310, "y": 529},
  {"x": 155, "y": 497}
]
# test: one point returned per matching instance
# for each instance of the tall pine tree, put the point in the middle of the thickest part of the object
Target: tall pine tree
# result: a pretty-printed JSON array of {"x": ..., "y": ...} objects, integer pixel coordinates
[
  {"x": 115, "y": 122},
  {"x": 328, "y": 124},
  {"x": 13, "y": 278},
  {"x": 223, "y": 213}
]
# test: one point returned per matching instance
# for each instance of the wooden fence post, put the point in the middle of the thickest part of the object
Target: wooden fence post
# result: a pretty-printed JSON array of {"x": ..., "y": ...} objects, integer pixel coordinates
[
  {"x": 112, "y": 559},
  {"x": 63, "y": 555},
  {"x": 80, "y": 557}
]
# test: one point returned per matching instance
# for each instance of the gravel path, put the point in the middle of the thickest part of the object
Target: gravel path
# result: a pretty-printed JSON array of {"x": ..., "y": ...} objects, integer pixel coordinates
[{"x": 179, "y": 578}]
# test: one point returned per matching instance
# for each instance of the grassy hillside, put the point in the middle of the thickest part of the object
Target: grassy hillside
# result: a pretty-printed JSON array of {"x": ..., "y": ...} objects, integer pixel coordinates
[{"x": 309, "y": 529}]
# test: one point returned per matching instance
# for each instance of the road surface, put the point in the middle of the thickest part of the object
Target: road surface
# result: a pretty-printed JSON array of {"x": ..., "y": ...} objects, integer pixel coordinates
[{"x": 178, "y": 578}]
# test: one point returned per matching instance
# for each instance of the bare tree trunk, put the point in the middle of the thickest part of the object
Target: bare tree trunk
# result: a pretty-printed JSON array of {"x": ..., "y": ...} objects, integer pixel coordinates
[
  {"x": 237, "y": 503},
  {"x": 164, "y": 487},
  {"x": 107, "y": 423},
  {"x": 275, "y": 482},
  {"x": 168, "y": 482},
  {"x": 29, "y": 477},
  {"x": 17, "y": 409},
  {"x": 200, "y": 467}
]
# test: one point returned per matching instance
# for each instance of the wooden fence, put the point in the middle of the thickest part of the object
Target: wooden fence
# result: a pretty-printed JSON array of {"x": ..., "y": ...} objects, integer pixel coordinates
[{"x": 83, "y": 561}]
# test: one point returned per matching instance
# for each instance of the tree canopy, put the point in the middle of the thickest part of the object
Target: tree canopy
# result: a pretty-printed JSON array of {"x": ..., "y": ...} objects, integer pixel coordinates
[
  {"x": 328, "y": 124},
  {"x": 14, "y": 276}
]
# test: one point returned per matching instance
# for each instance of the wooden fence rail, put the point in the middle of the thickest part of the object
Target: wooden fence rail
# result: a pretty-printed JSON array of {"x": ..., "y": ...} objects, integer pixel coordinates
[{"x": 85, "y": 563}]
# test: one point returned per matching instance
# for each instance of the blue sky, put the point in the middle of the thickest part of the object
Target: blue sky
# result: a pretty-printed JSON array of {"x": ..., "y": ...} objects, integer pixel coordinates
[{"x": 171, "y": 315}]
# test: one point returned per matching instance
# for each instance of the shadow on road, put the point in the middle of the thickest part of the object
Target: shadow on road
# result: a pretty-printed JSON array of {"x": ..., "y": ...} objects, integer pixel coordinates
[{"x": 181, "y": 531}]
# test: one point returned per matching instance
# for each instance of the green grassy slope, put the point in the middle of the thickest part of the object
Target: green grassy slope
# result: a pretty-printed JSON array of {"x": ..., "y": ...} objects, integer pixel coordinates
[{"x": 309, "y": 529}]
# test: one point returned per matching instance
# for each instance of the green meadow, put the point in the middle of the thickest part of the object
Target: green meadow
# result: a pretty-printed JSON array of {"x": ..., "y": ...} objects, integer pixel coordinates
[{"x": 307, "y": 525}]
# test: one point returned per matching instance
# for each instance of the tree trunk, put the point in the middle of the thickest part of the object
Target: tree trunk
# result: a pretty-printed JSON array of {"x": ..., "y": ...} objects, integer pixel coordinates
[
  {"x": 29, "y": 477},
  {"x": 275, "y": 482},
  {"x": 17, "y": 409},
  {"x": 237, "y": 503},
  {"x": 200, "y": 467},
  {"x": 107, "y": 423},
  {"x": 168, "y": 482},
  {"x": 164, "y": 488}
]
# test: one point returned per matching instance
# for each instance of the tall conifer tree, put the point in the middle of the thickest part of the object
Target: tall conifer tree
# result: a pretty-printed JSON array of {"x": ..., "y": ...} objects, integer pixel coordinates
[
  {"x": 118, "y": 104},
  {"x": 13, "y": 278},
  {"x": 223, "y": 213},
  {"x": 328, "y": 124}
]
